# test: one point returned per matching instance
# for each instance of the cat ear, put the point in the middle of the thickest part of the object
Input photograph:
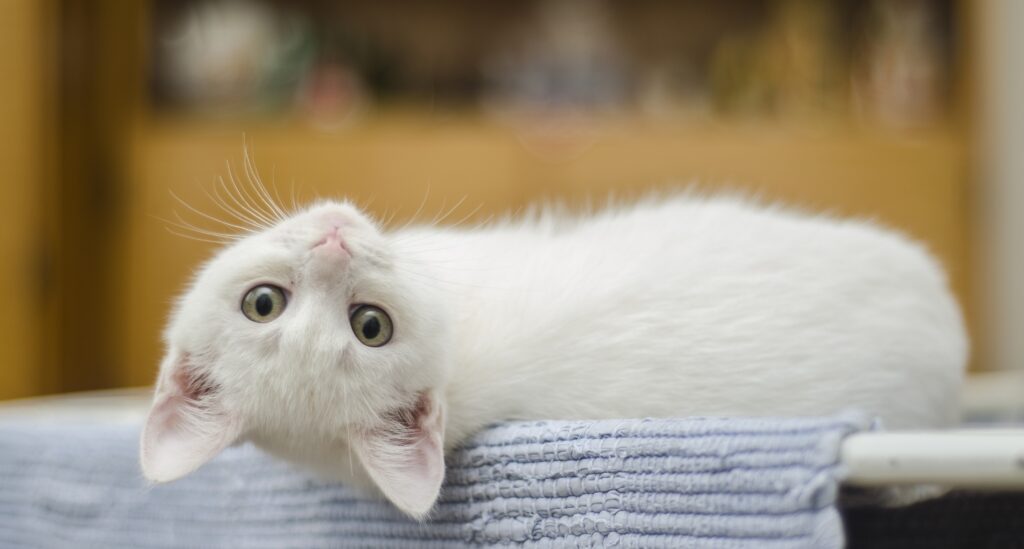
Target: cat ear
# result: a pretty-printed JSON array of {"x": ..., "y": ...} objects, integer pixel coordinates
[
  {"x": 406, "y": 459},
  {"x": 187, "y": 425}
]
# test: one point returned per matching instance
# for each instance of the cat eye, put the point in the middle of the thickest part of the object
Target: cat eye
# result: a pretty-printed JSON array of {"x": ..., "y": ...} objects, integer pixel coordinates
[
  {"x": 264, "y": 303},
  {"x": 371, "y": 325}
]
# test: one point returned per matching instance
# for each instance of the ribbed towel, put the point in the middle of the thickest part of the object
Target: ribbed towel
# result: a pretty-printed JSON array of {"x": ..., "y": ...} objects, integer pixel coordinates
[{"x": 765, "y": 483}]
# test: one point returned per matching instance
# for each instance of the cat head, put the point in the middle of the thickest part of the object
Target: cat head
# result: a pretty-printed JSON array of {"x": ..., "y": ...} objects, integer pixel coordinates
[{"x": 314, "y": 339}]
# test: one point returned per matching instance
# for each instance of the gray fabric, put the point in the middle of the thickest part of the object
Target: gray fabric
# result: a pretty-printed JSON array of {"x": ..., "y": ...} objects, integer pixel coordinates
[{"x": 634, "y": 483}]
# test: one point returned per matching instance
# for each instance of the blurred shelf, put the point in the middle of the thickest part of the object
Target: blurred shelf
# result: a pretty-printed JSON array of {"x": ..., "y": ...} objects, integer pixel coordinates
[
  {"x": 529, "y": 156},
  {"x": 401, "y": 121}
]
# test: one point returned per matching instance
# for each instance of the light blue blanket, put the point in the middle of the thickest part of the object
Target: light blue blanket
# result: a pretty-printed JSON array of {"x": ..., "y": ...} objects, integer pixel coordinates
[{"x": 639, "y": 483}]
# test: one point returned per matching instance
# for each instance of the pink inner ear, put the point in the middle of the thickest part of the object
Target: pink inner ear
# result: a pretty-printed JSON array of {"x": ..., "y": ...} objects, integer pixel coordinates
[
  {"x": 406, "y": 459},
  {"x": 187, "y": 426}
]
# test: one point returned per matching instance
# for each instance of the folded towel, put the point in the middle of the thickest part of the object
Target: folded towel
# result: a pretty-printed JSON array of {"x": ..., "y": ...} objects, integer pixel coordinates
[{"x": 765, "y": 483}]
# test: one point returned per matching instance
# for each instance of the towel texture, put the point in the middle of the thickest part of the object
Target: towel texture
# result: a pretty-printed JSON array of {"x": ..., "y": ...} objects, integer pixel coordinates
[{"x": 765, "y": 483}]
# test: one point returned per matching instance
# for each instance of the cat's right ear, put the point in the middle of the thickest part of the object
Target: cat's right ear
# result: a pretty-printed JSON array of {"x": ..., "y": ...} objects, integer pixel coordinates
[{"x": 187, "y": 425}]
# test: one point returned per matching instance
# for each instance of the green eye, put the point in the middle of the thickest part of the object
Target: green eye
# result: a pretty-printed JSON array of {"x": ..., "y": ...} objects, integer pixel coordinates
[
  {"x": 371, "y": 325},
  {"x": 264, "y": 303}
]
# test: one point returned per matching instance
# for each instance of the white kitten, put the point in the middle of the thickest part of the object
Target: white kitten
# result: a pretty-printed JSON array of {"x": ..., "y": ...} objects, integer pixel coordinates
[{"x": 365, "y": 354}]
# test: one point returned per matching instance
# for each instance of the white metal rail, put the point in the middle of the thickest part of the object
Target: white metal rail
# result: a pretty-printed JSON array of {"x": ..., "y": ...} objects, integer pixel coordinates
[{"x": 974, "y": 458}]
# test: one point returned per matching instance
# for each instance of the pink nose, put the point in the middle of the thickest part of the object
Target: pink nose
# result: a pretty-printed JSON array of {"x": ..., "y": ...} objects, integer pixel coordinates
[{"x": 333, "y": 241}]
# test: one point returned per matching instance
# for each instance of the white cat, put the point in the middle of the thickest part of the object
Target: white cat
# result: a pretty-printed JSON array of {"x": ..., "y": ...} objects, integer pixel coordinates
[{"x": 365, "y": 354}]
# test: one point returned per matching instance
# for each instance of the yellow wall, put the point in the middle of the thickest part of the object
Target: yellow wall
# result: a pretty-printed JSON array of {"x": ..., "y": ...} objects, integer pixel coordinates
[{"x": 21, "y": 128}]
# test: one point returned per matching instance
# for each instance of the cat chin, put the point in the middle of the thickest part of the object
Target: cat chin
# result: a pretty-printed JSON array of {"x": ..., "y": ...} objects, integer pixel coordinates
[
  {"x": 333, "y": 460},
  {"x": 334, "y": 457}
]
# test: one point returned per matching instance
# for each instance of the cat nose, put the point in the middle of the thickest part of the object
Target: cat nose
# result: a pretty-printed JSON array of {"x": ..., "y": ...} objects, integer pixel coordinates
[
  {"x": 333, "y": 241},
  {"x": 330, "y": 258}
]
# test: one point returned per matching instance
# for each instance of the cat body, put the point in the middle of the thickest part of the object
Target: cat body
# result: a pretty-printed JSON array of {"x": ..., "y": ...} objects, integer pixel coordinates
[{"x": 675, "y": 307}]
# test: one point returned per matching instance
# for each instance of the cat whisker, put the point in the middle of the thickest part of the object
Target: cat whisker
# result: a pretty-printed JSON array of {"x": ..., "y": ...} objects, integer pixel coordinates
[
  {"x": 348, "y": 441},
  {"x": 240, "y": 210},
  {"x": 247, "y": 200},
  {"x": 467, "y": 216},
  {"x": 390, "y": 217},
  {"x": 228, "y": 208},
  {"x": 364, "y": 205},
  {"x": 419, "y": 209},
  {"x": 261, "y": 190},
  {"x": 439, "y": 218},
  {"x": 252, "y": 206},
  {"x": 196, "y": 238},
  {"x": 277, "y": 195},
  {"x": 366, "y": 403},
  {"x": 201, "y": 213},
  {"x": 295, "y": 203},
  {"x": 185, "y": 225}
]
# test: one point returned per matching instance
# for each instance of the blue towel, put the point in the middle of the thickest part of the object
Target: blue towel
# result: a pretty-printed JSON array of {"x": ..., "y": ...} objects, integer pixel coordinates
[{"x": 765, "y": 483}]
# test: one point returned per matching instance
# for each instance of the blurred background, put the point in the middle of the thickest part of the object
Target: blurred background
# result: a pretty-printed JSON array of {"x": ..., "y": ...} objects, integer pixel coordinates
[{"x": 904, "y": 111}]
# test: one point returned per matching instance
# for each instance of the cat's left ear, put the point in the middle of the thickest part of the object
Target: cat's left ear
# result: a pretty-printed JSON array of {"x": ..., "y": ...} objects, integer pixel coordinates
[
  {"x": 406, "y": 461},
  {"x": 187, "y": 425}
]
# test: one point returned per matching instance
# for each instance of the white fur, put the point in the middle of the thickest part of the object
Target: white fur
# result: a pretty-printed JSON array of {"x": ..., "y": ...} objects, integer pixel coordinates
[{"x": 673, "y": 307}]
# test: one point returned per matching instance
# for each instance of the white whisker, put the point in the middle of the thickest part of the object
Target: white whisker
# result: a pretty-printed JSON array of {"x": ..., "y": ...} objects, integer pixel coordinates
[
  {"x": 257, "y": 183},
  {"x": 416, "y": 214},
  {"x": 227, "y": 208},
  {"x": 247, "y": 199},
  {"x": 390, "y": 217},
  {"x": 280, "y": 202},
  {"x": 242, "y": 211},
  {"x": 438, "y": 221},
  {"x": 467, "y": 216},
  {"x": 348, "y": 439},
  {"x": 193, "y": 237},
  {"x": 185, "y": 225},
  {"x": 204, "y": 214}
]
